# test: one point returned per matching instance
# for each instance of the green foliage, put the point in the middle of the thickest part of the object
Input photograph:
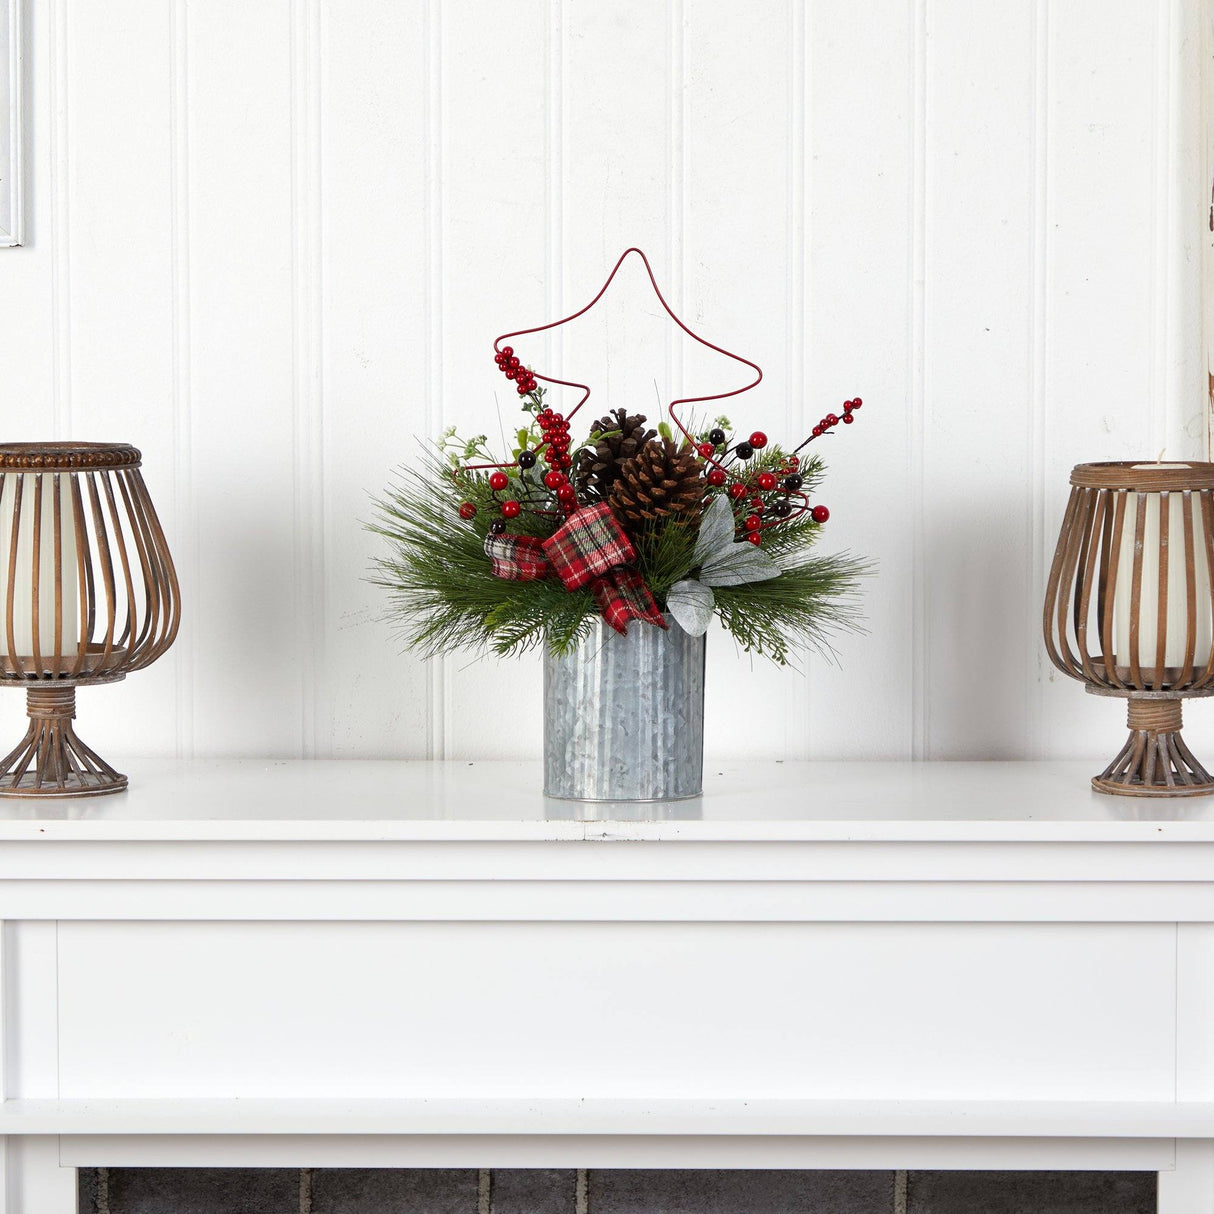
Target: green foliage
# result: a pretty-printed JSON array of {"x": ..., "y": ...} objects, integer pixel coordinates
[
  {"x": 701, "y": 428},
  {"x": 771, "y": 457},
  {"x": 812, "y": 600},
  {"x": 444, "y": 596},
  {"x": 438, "y": 579},
  {"x": 664, "y": 554}
]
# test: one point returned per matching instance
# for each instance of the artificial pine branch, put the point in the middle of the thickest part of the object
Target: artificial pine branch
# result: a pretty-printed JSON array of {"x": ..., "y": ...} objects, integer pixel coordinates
[
  {"x": 806, "y": 606},
  {"x": 444, "y": 596},
  {"x": 441, "y": 589}
]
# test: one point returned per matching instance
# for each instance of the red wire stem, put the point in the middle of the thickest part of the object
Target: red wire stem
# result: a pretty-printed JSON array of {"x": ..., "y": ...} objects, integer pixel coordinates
[{"x": 585, "y": 388}]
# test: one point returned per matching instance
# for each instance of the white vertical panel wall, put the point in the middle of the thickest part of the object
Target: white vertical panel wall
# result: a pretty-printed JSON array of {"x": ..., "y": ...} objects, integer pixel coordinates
[{"x": 269, "y": 241}]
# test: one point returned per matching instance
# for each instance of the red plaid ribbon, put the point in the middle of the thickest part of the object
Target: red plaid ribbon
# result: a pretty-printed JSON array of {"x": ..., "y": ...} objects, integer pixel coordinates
[
  {"x": 518, "y": 558},
  {"x": 622, "y": 596},
  {"x": 589, "y": 548},
  {"x": 589, "y": 544}
]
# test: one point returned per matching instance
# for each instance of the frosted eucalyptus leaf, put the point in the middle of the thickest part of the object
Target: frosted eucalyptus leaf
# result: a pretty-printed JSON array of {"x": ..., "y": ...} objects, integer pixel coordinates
[
  {"x": 691, "y": 603},
  {"x": 716, "y": 530},
  {"x": 723, "y": 561},
  {"x": 739, "y": 564}
]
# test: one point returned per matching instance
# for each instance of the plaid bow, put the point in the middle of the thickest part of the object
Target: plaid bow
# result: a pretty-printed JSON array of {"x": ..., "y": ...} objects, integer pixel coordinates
[
  {"x": 518, "y": 558},
  {"x": 588, "y": 545},
  {"x": 622, "y": 596},
  {"x": 591, "y": 547}
]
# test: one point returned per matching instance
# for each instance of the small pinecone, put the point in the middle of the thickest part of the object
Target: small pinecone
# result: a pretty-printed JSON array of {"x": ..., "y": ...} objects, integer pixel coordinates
[
  {"x": 661, "y": 479},
  {"x": 618, "y": 438}
]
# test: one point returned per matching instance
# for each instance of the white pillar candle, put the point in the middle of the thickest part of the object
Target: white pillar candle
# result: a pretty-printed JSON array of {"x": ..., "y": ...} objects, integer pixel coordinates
[
  {"x": 24, "y": 613},
  {"x": 1177, "y": 604}
]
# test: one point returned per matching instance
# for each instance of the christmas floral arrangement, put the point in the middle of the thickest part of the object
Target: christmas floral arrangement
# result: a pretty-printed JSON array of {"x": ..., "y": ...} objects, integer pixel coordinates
[{"x": 636, "y": 523}]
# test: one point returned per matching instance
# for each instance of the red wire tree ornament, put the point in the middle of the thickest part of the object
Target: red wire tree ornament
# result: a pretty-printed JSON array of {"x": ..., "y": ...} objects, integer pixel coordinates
[
  {"x": 687, "y": 400},
  {"x": 721, "y": 459}
]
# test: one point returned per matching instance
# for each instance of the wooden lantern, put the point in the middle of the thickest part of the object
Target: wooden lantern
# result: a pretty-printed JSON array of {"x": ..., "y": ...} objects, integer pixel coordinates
[
  {"x": 1129, "y": 610},
  {"x": 89, "y": 594}
]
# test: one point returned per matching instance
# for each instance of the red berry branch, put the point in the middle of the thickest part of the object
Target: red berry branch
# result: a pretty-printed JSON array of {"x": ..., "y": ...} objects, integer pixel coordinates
[
  {"x": 512, "y": 368},
  {"x": 831, "y": 420}
]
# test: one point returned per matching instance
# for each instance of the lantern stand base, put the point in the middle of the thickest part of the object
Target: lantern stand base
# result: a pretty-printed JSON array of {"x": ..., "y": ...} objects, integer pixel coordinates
[
  {"x": 51, "y": 761},
  {"x": 1154, "y": 762}
]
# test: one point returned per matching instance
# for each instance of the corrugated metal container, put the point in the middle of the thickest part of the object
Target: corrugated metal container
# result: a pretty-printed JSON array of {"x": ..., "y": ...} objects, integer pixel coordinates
[{"x": 624, "y": 716}]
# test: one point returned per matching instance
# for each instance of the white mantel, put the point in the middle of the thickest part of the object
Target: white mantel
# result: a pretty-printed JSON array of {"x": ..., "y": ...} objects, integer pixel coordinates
[
  {"x": 846, "y": 965},
  {"x": 278, "y": 800}
]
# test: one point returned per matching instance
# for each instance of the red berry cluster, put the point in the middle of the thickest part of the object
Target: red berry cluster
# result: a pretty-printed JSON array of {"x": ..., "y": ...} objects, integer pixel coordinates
[
  {"x": 833, "y": 419},
  {"x": 509, "y": 364},
  {"x": 510, "y": 508},
  {"x": 708, "y": 450},
  {"x": 765, "y": 500},
  {"x": 752, "y": 520},
  {"x": 555, "y": 430}
]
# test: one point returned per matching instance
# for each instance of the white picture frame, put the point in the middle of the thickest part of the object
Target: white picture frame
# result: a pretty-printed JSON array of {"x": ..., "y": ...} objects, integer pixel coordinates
[{"x": 10, "y": 123}]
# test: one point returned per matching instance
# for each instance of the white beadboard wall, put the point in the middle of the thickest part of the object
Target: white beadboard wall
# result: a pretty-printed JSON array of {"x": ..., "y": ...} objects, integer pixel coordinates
[{"x": 270, "y": 241}]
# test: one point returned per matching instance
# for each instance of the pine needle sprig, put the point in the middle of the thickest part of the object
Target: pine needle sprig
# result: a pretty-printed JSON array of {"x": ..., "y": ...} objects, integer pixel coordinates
[
  {"x": 441, "y": 590},
  {"x": 666, "y": 553},
  {"x": 811, "y": 602}
]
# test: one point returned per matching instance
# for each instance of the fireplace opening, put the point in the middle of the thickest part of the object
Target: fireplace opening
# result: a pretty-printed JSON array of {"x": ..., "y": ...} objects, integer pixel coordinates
[{"x": 606, "y": 1191}]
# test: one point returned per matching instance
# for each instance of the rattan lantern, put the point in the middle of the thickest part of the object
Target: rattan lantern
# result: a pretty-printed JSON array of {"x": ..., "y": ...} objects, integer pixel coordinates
[
  {"x": 1129, "y": 610},
  {"x": 89, "y": 594}
]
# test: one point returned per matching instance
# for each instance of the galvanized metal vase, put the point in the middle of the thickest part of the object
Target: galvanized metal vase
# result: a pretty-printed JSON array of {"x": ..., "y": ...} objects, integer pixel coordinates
[{"x": 624, "y": 716}]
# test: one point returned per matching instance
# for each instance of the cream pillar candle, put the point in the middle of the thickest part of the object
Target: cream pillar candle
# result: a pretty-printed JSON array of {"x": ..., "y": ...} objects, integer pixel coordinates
[
  {"x": 23, "y": 612},
  {"x": 1177, "y": 603}
]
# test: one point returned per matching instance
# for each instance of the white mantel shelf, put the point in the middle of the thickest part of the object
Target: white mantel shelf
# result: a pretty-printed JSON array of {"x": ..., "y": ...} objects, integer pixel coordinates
[
  {"x": 369, "y": 801},
  {"x": 292, "y": 963},
  {"x": 775, "y": 842}
]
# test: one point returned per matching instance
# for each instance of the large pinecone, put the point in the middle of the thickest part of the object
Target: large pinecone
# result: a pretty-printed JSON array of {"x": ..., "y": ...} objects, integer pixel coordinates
[
  {"x": 617, "y": 438},
  {"x": 663, "y": 478}
]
